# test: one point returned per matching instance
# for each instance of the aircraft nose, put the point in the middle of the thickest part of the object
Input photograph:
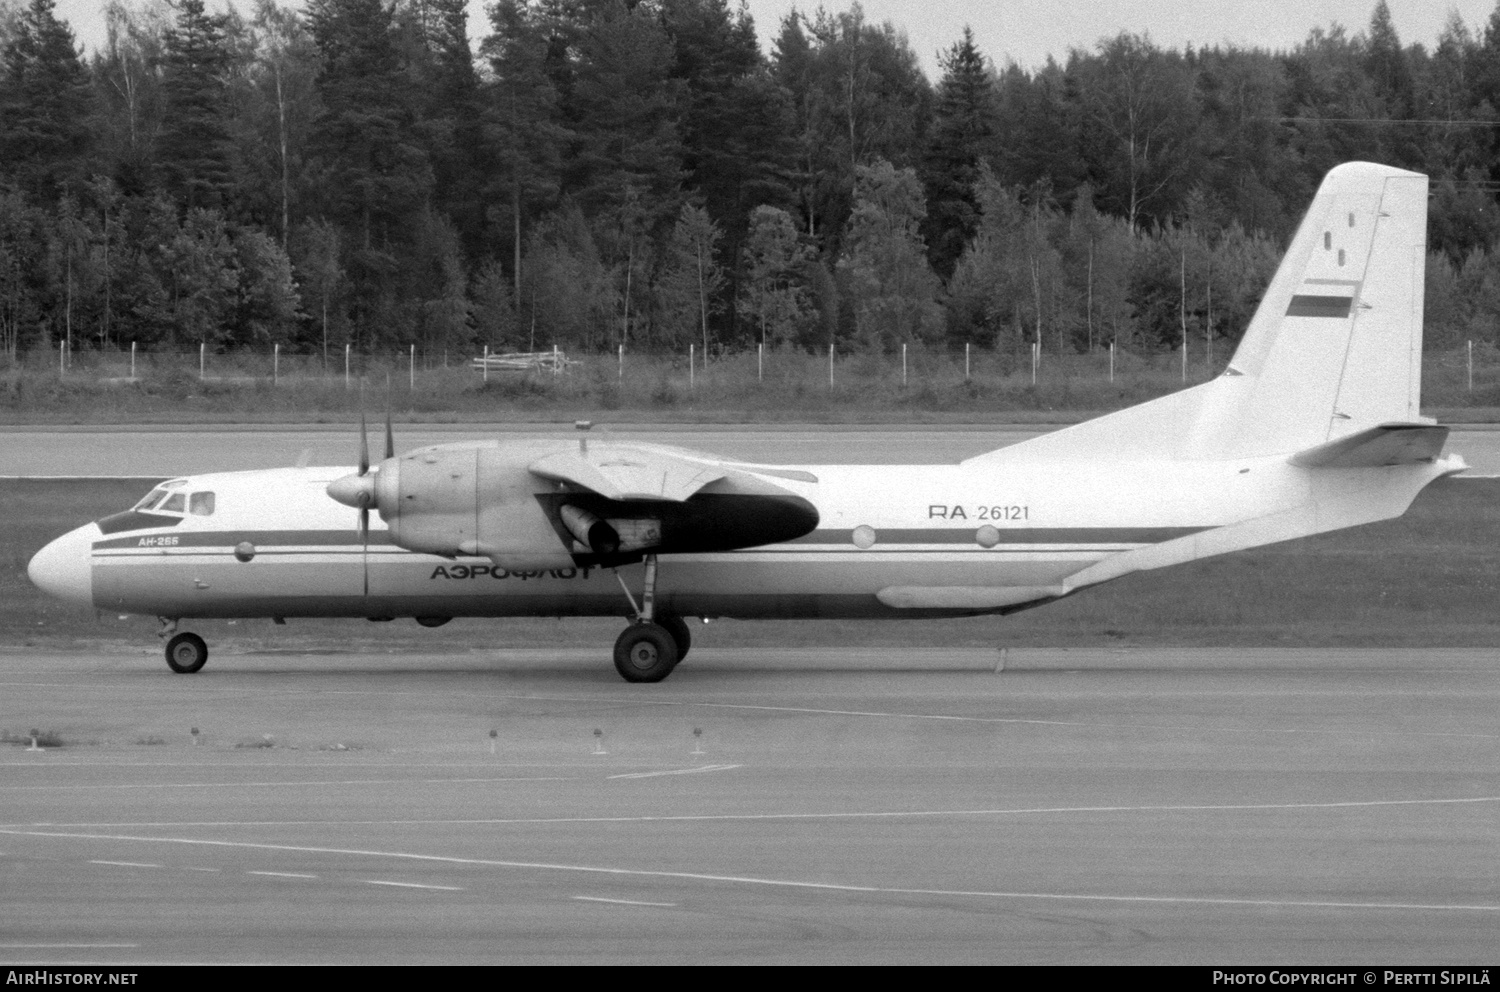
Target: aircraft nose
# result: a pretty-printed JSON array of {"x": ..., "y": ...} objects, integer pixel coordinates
[{"x": 64, "y": 568}]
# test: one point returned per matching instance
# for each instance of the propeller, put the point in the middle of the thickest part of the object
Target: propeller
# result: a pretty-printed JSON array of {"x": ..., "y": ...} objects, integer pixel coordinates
[
  {"x": 362, "y": 497},
  {"x": 358, "y": 490}
]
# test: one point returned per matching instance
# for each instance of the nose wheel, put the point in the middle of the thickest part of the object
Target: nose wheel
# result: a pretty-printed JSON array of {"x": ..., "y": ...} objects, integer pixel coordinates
[{"x": 186, "y": 653}]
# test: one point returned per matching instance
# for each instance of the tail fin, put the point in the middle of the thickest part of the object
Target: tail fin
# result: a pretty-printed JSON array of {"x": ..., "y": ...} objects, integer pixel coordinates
[{"x": 1335, "y": 346}]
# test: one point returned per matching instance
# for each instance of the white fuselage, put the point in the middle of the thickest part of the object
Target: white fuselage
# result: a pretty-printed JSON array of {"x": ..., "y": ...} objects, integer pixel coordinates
[{"x": 892, "y": 540}]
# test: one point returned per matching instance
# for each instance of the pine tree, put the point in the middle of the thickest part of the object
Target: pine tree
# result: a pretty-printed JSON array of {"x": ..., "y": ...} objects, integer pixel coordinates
[
  {"x": 1386, "y": 63},
  {"x": 736, "y": 123},
  {"x": 522, "y": 126},
  {"x": 962, "y": 130},
  {"x": 194, "y": 148},
  {"x": 377, "y": 178},
  {"x": 45, "y": 101}
]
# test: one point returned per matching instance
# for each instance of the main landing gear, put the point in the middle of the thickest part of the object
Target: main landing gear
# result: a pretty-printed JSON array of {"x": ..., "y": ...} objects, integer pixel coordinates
[
  {"x": 186, "y": 653},
  {"x": 651, "y": 646}
]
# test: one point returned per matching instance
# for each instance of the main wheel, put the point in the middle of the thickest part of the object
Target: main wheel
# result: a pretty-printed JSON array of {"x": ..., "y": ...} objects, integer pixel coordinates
[
  {"x": 645, "y": 652},
  {"x": 678, "y": 628},
  {"x": 186, "y": 653}
]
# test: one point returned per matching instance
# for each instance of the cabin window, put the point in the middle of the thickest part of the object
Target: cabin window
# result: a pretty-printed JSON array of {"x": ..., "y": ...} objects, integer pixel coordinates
[
  {"x": 201, "y": 504},
  {"x": 1327, "y": 240},
  {"x": 174, "y": 503}
]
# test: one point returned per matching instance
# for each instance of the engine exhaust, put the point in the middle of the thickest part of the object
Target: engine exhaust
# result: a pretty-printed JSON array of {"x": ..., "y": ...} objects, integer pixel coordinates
[{"x": 595, "y": 534}]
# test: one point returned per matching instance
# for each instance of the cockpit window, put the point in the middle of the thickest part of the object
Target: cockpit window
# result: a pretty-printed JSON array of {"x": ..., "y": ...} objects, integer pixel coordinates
[
  {"x": 158, "y": 497},
  {"x": 174, "y": 503},
  {"x": 150, "y": 499},
  {"x": 201, "y": 504}
]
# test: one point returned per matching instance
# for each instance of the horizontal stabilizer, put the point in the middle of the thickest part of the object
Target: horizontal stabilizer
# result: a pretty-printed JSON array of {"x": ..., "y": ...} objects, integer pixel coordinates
[
  {"x": 624, "y": 472},
  {"x": 1387, "y": 444}
]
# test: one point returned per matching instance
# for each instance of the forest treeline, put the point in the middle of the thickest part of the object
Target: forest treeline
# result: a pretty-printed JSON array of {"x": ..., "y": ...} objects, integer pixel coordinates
[{"x": 594, "y": 173}]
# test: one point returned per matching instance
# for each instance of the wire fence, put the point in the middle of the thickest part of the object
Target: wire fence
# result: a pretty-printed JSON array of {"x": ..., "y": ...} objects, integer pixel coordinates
[{"x": 1107, "y": 377}]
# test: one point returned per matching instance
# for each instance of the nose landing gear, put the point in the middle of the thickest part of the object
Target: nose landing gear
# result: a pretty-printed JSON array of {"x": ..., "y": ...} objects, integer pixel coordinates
[{"x": 186, "y": 653}]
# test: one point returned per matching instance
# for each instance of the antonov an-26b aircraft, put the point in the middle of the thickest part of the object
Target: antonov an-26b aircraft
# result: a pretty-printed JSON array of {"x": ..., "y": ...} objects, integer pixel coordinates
[{"x": 1313, "y": 426}]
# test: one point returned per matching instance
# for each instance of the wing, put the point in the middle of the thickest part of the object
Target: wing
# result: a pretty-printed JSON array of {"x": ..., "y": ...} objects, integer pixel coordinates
[{"x": 627, "y": 472}]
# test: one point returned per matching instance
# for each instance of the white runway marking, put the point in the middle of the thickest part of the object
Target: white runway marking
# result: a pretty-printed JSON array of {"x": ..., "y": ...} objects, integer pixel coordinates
[
  {"x": 624, "y": 902},
  {"x": 414, "y": 885},
  {"x": 757, "y": 881},
  {"x": 125, "y": 864},
  {"x": 281, "y": 874},
  {"x": 22, "y": 829},
  {"x": 239, "y": 785},
  {"x": 677, "y": 771}
]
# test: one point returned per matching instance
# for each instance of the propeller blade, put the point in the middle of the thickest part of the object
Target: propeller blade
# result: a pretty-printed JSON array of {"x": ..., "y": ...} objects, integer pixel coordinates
[
  {"x": 390, "y": 437},
  {"x": 364, "y": 540},
  {"x": 364, "y": 443}
]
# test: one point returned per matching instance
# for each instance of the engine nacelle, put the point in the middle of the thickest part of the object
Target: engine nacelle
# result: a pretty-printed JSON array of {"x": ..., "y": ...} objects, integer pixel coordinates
[
  {"x": 469, "y": 500},
  {"x": 486, "y": 499}
]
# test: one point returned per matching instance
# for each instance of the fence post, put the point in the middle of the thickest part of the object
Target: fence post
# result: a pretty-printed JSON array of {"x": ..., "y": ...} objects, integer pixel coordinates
[
  {"x": 760, "y": 362},
  {"x": 275, "y": 364},
  {"x": 346, "y": 365},
  {"x": 1036, "y": 359},
  {"x": 412, "y": 370},
  {"x": 1111, "y": 361},
  {"x": 556, "y": 365},
  {"x": 486, "y": 363},
  {"x": 62, "y": 359},
  {"x": 830, "y": 365},
  {"x": 132, "y": 361},
  {"x": 620, "y": 376},
  {"x": 1471, "y": 365},
  {"x": 966, "y": 361},
  {"x": 903, "y": 364},
  {"x": 690, "y": 368},
  {"x": 202, "y": 360}
]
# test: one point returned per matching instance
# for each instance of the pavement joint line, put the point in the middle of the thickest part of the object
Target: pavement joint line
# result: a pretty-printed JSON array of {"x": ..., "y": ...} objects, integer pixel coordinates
[
  {"x": 281, "y": 874},
  {"x": 63, "y": 947},
  {"x": 416, "y": 885},
  {"x": 30, "y": 830},
  {"x": 625, "y": 902},
  {"x": 1164, "y": 728},
  {"x": 787, "y": 883},
  {"x": 288, "y": 782},
  {"x": 125, "y": 864},
  {"x": 677, "y": 771}
]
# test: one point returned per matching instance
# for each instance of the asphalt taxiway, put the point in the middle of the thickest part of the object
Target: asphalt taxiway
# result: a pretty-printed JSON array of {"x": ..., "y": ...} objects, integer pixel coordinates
[{"x": 1095, "y": 806}]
